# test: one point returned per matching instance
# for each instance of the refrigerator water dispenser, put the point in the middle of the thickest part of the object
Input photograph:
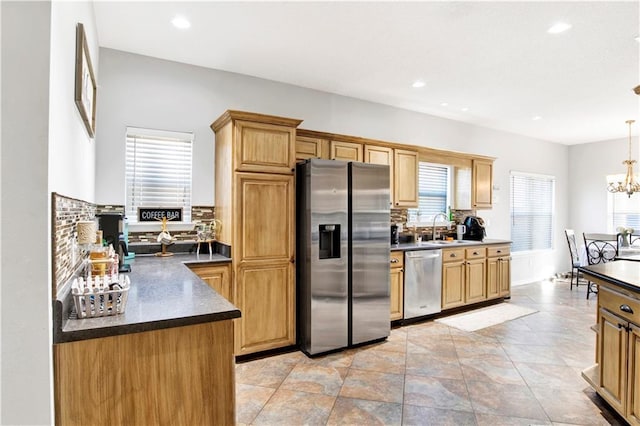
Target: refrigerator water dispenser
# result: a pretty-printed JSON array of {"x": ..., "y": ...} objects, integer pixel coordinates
[{"x": 329, "y": 241}]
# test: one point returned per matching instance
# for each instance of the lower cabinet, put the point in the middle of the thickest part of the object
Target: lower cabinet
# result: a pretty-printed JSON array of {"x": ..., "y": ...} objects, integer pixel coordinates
[
  {"x": 498, "y": 272},
  {"x": 453, "y": 281},
  {"x": 475, "y": 275},
  {"x": 265, "y": 294},
  {"x": 218, "y": 277},
  {"x": 397, "y": 285},
  {"x": 618, "y": 378}
]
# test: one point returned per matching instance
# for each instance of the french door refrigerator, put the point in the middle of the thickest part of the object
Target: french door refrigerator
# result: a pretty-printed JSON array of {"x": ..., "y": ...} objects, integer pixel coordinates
[{"x": 343, "y": 250}]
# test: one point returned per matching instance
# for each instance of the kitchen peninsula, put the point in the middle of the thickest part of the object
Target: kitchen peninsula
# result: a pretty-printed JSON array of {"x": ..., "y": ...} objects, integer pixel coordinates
[
  {"x": 615, "y": 375},
  {"x": 168, "y": 359}
]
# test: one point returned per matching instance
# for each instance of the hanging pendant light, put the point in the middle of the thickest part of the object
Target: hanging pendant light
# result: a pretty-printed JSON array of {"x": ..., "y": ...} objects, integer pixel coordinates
[{"x": 626, "y": 183}]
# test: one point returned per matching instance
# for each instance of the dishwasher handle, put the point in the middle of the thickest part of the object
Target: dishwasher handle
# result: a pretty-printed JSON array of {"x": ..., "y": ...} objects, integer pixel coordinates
[{"x": 430, "y": 254}]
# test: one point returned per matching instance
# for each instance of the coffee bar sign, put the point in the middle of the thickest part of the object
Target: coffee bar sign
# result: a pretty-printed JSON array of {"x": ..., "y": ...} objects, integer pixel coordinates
[{"x": 153, "y": 214}]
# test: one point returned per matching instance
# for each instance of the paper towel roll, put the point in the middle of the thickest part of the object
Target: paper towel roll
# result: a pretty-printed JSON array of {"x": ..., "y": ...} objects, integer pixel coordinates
[{"x": 86, "y": 230}]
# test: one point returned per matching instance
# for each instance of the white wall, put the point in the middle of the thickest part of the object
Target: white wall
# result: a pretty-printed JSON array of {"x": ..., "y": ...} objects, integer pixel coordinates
[
  {"x": 589, "y": 165},
  {"x": 26, "y": 335},
  {"x": 71, "y": 151},
  {"x": 147, "y": 92},
  {"x": 45, "y": 148}
]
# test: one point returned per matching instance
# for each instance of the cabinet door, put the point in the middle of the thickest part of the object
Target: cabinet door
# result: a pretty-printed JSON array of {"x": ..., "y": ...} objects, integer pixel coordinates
[
  {"x": 633, "y": 376},
  {"x": 453, "y": 284},
  {"x": 612, "y": 344},
  {"x": 217, "y": 277},
  {"x": 265, "y": 222},
  {"x": 266, "y": 148},
  {"x": 347, "y": 151},
  {"x": 493, "y": 274},
  {"x": 475, "y": 281},
  {"x": 381, "y": 155},
  {"x": 311, "y": 148},
  {"x": 405, "y": 189},
  {"x": 265, "y": 293},
  {"x": 397, "y": 294},
  {"x": 481, "y": 184},
  {"x": 504, "y": 279}
]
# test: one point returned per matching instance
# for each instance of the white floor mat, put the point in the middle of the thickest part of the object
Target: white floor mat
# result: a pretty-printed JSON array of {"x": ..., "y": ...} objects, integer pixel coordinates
[{"x": 486, "y": 317}]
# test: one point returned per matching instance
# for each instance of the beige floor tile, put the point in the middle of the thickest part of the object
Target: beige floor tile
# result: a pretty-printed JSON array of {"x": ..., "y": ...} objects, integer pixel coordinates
[
  {"x": 378, "y": 360},
  {"x": 505, "y": 400},
  {"x": 419, "y": 416},
  {"x": 372, "y": 385},
  {"x": 490, "y": 369},
  {"x": 445, "y": 367},
  {"x": 437, "y": 393},
  {"x": 492, "y": 420},
  {"x": 350, "y": 411},
  {"x": 264, "y": 372},
  {"x": 249, "y": 401},
  {"x": 550, "y": 376},
  {"x": 571, "y": 407},
  {"x": 296, "y": 408},
  {"x": 314, "y": 379}
]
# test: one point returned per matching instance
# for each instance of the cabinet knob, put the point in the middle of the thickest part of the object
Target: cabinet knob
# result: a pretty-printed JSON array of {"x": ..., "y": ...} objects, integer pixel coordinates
[
  {"x": 452, "y": 255},
  {"x": 292, "y": 260},
  {"x": 475, "y": 253},
  {"x": 394, "y": 261},
  {"x": 499, "y": 251},
  {"x": 626, "y": 308}
]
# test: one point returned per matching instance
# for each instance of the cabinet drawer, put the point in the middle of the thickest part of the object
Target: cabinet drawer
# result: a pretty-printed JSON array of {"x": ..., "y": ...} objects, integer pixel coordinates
[
  {"x": 397, "y": 259},
  {"x": 498, "y": 251},
  {"x": 475, "y": 252},
  {"x": 453, "y": 255},
  {"x": 615, "y": 302}
]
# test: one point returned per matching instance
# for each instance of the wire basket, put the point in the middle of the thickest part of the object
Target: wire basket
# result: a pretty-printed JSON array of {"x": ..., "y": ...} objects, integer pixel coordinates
[{"x": 101, "y": 302}]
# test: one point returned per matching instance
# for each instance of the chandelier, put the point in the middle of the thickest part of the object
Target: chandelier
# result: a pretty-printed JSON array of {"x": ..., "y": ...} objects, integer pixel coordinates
[{"x": 626, "y": 183}]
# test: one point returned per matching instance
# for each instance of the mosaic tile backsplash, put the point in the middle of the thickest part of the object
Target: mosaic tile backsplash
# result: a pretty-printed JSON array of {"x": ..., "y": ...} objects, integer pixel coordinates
[{"x": 66, "y": 252}]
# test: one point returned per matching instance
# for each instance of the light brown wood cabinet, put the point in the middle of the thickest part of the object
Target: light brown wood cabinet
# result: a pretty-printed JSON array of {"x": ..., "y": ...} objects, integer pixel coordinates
[
  {"x": 397, "y": 285},
  {"x": 310, "y": 147},
  {"x": 405, "y": 182},
  {"x": 181, "y": 375},
  {"x": 256, "y": 205},
  {"x": 218, "y": 277},
  {"x": 482, "y": 184},
  {"x": 498, "y": 271},
  {"x": 475, "y": 274},
  {"x": 347, "y": 151}
]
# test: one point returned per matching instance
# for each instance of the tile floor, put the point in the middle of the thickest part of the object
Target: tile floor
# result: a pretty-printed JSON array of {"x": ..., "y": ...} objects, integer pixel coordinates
[{"x": 522, "y": 372}]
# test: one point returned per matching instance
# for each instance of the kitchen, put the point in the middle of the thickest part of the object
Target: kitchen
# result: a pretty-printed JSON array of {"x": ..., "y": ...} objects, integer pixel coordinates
[{"x": 191, "y": 98}]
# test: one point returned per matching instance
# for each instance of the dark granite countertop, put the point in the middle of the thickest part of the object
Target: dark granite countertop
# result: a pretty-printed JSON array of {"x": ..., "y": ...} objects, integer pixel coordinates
[
  {"x": 621, "y": 273},
  {"x": 439, "y": 244},
  {"x": 164, "y": 293}
]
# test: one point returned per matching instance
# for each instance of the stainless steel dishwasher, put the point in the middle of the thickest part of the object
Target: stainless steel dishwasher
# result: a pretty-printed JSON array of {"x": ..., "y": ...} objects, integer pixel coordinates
[{"x": 422, "y": 283}]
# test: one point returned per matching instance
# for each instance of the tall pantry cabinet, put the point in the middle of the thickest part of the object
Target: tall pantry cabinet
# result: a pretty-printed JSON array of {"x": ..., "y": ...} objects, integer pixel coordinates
[{"x": 255, "y": 201}]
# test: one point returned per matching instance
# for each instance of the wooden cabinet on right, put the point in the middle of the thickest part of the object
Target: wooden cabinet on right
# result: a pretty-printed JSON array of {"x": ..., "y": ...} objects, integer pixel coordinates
[
  {"x": 482, "y": 184},
  {"x": 397, "y": 285},
  {"x": 218, "y": 277},
  {"x": 475, "y": 274},
  {"x": 310, "y": 147},
  {"x": 405, "y": 182},
  {"x": 498, "y": 271}
]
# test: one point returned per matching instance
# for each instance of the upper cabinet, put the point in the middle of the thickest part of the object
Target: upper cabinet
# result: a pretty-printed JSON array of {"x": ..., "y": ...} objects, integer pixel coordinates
[
  {"x": 260, "y": 143},
  {"x": 347, "y": 151},
  {"x": 405, "y": 182},
  {"x": 311, "y": 147},
  {"x": 481, "y": 184}
]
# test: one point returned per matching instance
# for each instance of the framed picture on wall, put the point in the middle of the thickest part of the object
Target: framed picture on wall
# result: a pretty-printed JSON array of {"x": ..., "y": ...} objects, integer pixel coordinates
[{"x": 85, "y": 92}]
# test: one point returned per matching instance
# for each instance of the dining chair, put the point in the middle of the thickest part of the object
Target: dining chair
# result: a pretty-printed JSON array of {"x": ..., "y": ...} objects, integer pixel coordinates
[
  {"x": 575, "y": 257},
  {"x": 600, "y": 248}
]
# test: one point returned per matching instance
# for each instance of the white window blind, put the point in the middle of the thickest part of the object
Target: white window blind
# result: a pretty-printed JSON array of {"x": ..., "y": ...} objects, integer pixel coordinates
[
  {"x": 532, "y": 200},
  {"x": 433, "y": 191},
  {"x": 623, "y": 210},
  {"x": 158, "y": 171}
]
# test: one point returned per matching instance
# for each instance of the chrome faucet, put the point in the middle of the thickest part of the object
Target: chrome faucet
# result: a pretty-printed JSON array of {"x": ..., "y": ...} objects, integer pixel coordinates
[{"x": 434, "y": 222}]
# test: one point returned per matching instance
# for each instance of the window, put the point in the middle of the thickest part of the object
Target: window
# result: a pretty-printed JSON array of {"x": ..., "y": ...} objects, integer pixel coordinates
[
  {"x": 158, "y": 171},
  {"x": 433, "y": 192},
  {"x": 622, "y": 210},
  {"x": 532, "y": 211}
]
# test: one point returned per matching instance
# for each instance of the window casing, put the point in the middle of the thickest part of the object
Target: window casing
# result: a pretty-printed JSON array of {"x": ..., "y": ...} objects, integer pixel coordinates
[
  {"x": 434, "y": 184},
  {"x": 622, "y": 210},
  {"x": 532, "y": 207},
  {"x": 158, "y": 171}
]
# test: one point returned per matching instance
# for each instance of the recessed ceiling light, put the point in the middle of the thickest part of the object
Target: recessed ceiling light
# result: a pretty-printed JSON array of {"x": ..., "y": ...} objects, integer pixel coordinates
[
  {"x": 464, "y": 109},
  {"x": 418, "y": 83},
  {"x": 638, "y": 39},
  {"x": 536, "y": 118},
  {"x": 444, "y": 104},
  {"x": 181, "y": 22},
  {"x": 558, "y": 27}
]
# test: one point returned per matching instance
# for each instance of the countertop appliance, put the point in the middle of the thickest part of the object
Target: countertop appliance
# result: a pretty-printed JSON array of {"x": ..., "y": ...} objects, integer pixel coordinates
[
  {"x": 395, "y": 235},
  {"x": 422, "y": 283},
  {"x": 112, "y": 228},
  {"x": 343, "y": 254},
  {"x": 475, "y": 228}
]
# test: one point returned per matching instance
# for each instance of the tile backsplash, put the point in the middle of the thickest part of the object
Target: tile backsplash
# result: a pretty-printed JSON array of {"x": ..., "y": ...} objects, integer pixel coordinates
[{"x": 66, "y": 255}]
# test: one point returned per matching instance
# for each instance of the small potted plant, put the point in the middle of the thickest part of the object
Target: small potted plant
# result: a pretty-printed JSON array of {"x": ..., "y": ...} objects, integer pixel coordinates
[{"x": 624, "y": 233}]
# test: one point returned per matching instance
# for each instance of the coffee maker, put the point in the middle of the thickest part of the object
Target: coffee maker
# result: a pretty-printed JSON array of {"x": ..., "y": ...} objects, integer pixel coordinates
[
  {"x": 111, "y": 225},
  {"x": 475, "y": 228}
]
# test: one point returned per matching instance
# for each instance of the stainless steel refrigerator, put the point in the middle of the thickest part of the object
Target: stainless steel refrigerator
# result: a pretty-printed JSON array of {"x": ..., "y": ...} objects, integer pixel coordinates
[{"x": 343, "y": 249}]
